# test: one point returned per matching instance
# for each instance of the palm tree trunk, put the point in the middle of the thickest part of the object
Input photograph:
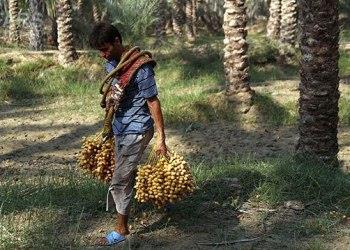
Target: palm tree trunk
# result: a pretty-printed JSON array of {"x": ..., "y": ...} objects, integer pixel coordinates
[
  {"x": 161, "y": 22},
  {"x": 169, "y": 21},
  {"x": 319, "y": 94},
  {"x": 80, "y": 5},
  {"x": 53, "y": 36},
  {"x": 189, "y": 21},
  {"x": 195, "y": 17},
  {"x": 289, "y": 22},
  {"x": 14, "y": 29},
  {"x": 2, "y": 13},
  {"x": 209, "y": 17},
  {"x": 96, "y": 12},
  {"x": 36, "y": 25},
  {"x": 67, "y": 52},
  {"x": 177, "y": 17},
  {"x": 235, "y": 51},
  {"x": 274, "y": 22}
]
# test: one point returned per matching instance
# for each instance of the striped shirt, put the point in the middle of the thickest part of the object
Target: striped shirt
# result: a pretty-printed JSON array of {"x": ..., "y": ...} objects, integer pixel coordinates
[{"x": 133, "y": 115}]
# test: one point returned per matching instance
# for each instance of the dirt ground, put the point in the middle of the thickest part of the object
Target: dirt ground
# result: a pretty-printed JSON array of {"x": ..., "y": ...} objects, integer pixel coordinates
[
  {"x": 41, "y": 138},
  {"x": 41, "y": 135}
]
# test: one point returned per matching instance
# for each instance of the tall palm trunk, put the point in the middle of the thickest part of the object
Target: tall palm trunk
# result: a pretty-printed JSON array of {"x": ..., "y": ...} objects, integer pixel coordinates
[
  {"x": 194, "y": 16},
  {"x": 36, "y": 25},
  {"x": 319, "y": 95},
  {"x": 289, "y": 22},
  {"x": 96, "y": 12},
  {"x": 67, "y": 52},
  {"x": 161, "y": 22},
  {"x": 80, "y": 5},
  {"x": 209, "y": 17},
  {"x": 274, "y": 22},
  {"x": 235, "y": 51},
  {"x": 169, "y": 20},
  {"x": 13, "y": 13},
  {"x": 177, "y": 16},
  {"x": 189, "y": 21},
  {"x": 2, "y": 13},
  {"x": 53, "y": 36}
]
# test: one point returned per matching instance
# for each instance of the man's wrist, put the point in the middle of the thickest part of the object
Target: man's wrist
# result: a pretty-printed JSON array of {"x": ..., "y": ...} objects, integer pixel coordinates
[{"x": 161, "y": 137}]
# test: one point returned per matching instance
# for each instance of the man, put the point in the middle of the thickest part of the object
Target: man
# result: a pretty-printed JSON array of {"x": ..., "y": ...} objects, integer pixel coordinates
[{"x": 139, "y": 109}]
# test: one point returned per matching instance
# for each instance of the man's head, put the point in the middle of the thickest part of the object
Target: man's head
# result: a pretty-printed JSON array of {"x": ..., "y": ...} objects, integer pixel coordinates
[{"x": 107, "y": 39}]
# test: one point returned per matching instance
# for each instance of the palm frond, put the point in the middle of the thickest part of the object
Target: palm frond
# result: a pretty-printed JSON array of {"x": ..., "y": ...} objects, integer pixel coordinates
[{"x": 133, "y": 18}]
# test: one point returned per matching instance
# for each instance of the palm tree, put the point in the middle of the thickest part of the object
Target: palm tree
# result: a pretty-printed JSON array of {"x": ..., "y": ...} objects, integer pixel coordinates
[
  {"x": 160, "y": 22},
  {"x": 289, "y": 22},
  {"x": 13, "y": 13},
  {"x": 319, "y": 94},
  {"x": 235, "y": 52},
  {"x": 50, "y": 7},
  {"x": 80, "y": 4},
  {"x": 169, "y": 29},
  {"x": 257, "y": 9},
  {"x": 36, "y": 24},
  {"x": 194, "y": 16},
  {"x": 274, "y": 22},
  {"x": 189, "y": 21},
  {"x": 210, "y": 15},
  {"x": 178, "y": 16},
  {"x": 133, "y": 18},
  {"x": 96, "y": 12},
  {"x": 67, "y": 52},
  {"x": 3, "y": 12}
]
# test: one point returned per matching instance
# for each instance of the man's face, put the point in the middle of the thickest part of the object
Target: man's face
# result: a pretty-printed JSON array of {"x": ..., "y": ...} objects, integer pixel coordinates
[
  {"x": 111, "y": 51},
  {"x": 106, "y": 51}
]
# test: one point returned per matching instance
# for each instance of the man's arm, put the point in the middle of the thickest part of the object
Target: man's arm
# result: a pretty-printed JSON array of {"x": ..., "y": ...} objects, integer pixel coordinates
[{"x": 156, "y": 112}]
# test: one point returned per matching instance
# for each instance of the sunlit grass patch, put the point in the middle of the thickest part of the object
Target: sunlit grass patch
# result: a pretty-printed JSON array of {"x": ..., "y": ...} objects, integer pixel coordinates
[
  {"x": 272, "y": 182},
  {"x": 307, "y": 181},
  {"x": 345, "y": 34},
  {"x": 44, "y": 78},
  {"x": 344, "y": 109},
  {"x": 344, "y": 63}
]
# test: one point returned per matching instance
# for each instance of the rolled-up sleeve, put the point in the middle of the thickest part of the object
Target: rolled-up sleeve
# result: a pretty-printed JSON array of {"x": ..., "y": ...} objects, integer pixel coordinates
[{"x": 146, "y": 82}]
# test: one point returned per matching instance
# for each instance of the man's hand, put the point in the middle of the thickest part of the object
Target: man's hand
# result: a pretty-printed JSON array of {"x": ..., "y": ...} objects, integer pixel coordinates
[{"x": 161, "y": 148}]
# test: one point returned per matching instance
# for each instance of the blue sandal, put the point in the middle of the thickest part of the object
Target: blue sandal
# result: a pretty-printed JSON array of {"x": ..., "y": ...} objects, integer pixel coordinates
[{"x": 114, "y": 238}]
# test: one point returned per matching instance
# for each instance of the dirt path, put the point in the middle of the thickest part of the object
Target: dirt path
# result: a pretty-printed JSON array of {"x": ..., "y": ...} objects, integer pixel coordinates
[{"x": 40, "y": 134}]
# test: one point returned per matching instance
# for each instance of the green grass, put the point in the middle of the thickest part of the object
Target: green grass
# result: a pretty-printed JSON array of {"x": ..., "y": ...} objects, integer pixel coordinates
[
  {"x": 273, "y": 113},
  {"x": 52, "y": 211},
  {"x": 344, "y": 63},
  {"x": 46, "y": 209},
  {"x": 345, "y": 35},
  {"x": 188, "y": 82},
  {"x": 344, "y": 109},
  {"x": 44, "y": 78}
]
